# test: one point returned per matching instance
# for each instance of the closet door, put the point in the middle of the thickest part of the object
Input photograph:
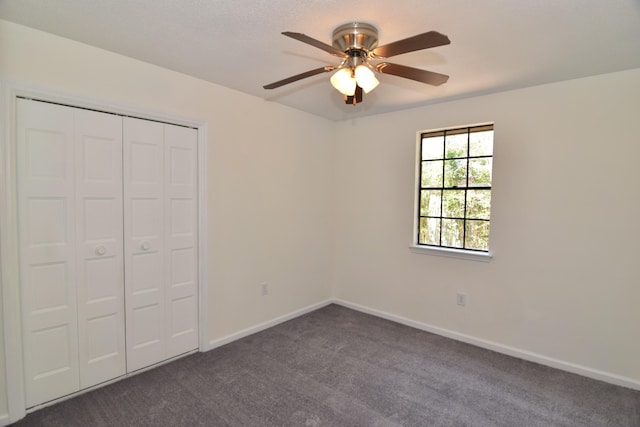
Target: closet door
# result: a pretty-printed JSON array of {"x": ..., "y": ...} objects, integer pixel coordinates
[
  {"x": 71, "y": 249},
  {"x": 45, "y": 168},
  {"x": 108, "y": 245},
  {"x": 181, "y": 239},
  {"x": 99, "y": 241},
  {"x": 160, "y": 204},
  {"x": 145, "y": 274}
]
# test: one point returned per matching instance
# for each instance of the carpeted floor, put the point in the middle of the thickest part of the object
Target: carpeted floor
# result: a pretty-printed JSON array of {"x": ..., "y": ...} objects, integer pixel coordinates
[{"x": 339, "y": 367}]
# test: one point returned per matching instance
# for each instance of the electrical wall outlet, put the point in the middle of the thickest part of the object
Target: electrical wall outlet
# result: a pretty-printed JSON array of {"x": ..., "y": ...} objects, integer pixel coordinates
[
  {"x": 264, "y": 288},
  {"x": 461, "y": 299}
]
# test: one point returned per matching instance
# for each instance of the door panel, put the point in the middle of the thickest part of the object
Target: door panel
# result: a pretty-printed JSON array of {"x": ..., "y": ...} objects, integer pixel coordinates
[
  {"x": 45, "y": 159},
  {"x": 101, "y": 322},
  {"x": 181, "y": 239},
  {"x": 144, "y": 242}
]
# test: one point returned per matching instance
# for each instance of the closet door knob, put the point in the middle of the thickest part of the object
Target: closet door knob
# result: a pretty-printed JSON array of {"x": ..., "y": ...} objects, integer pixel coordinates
[
  {"x": 145, "y": 246},
  {"x": 101, "y": 250}
]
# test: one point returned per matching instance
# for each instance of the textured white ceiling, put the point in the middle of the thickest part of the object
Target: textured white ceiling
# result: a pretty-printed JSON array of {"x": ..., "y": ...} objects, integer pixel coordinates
[{"x": 495, "y": 44}]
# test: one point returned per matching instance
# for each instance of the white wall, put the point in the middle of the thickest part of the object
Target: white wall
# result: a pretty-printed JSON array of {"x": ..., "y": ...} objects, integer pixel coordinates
[
  {"x": 269, "y": 185},
  {"x": 564, "y": 282}
]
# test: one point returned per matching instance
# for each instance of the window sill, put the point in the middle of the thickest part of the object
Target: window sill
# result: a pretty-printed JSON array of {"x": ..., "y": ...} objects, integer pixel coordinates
[{"x": 452, "y": 253}]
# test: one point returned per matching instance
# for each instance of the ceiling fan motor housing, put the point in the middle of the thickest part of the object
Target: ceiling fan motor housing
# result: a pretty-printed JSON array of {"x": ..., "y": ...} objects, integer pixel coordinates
[{"x": 355, "y": 37}]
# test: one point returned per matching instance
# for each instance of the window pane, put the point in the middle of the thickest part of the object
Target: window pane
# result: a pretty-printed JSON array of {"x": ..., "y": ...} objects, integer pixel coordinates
[
  {"x": 432, "y": 148},
  {"x": 432, "y": 173},
  {"x": 455, "y": 173},
  {"x": 481, "y": 143},
  {"x": 430, "y": 201},
  {"x": 456, "y": 145},
  {"x": 478, "y": 204},
  {"x": 429, "y": 231},
  {"x": 455, "y": 187},
  {"x": 480, "y": 172},
  {"x": 452, "y": 232},
  {"x": 453, "y": 203},
  {"x": 477, "y": 236}
]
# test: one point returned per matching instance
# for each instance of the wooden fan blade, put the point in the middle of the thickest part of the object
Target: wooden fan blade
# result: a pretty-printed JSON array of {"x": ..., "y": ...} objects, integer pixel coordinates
[
  {"x": 419, "y": 42},
  {"x": 416, "y": 74},
  {"x": 315, "y": 43},
  {"x": 299, "y": 77}
]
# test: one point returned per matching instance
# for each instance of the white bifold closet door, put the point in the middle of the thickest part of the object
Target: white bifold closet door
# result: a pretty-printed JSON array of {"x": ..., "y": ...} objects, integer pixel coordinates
[
  {"x": 108, "y": 245},
  {"x": 70, "y": 235},
  {"x": 160, "y": 164},
  {"x": 99, "y": 246}
]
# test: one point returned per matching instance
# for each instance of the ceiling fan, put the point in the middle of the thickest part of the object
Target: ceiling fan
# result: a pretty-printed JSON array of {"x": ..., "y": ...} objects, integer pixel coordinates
[{"x": 356, "y": 44}]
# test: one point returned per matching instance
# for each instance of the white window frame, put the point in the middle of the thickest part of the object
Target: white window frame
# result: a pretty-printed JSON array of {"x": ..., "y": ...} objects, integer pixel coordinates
[{"x": 414, "y": 247}]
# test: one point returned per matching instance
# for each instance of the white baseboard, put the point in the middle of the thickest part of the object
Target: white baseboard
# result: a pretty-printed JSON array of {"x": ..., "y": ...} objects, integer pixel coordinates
[
  {"x": 500, "y": 348},
  {"x": 4, "y": 419},
  {"x": 489, "y": 345},
  {"x": 265, "y": 325}
]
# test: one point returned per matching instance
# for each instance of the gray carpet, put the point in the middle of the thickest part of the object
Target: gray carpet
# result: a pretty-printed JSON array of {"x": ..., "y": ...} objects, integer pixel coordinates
[{"x": 339, "y": 367}]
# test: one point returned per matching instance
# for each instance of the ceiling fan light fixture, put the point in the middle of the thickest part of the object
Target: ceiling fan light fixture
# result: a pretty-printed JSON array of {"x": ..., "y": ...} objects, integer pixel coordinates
[
  {"x": 356, "y": 44},
  {"x": 344, "y": 82},
  {"x": 365, "y": 78}
]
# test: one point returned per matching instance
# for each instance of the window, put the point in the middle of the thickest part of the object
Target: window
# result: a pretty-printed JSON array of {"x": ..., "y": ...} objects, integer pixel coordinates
[{"x": 454, "y": 188}]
